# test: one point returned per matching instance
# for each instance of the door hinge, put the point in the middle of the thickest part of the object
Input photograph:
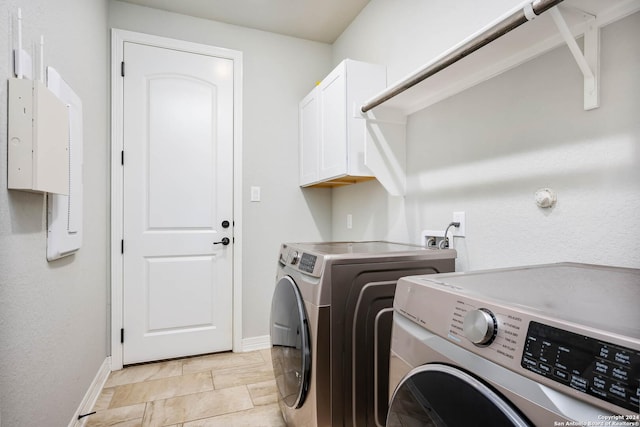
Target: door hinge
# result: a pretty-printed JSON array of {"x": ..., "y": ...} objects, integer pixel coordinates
[
  {"x": 122, "y": 68},
  {"x": 122, "y": 246},
  {"x": 122, "y": 157},
  {"x": 121, "y": 335}
]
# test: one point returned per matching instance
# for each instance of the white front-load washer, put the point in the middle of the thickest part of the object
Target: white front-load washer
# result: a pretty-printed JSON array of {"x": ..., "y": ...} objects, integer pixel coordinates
[
  {"x": 331, "y": 327},
  {"x": 550, "y": 345}
]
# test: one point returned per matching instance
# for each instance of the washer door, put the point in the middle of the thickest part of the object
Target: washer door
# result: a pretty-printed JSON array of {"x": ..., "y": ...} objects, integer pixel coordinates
[
  {"x": 440, "y": 395},
  {"x": 290, "y": 351}
]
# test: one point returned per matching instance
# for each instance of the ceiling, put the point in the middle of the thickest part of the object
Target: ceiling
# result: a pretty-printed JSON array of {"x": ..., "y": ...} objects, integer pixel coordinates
[{"x": 318, "y": 20}]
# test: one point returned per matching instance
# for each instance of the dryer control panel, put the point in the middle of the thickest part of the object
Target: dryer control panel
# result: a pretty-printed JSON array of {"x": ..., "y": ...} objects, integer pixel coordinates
[
  {"x": 595, "y": 367},
  {"x": 300, "y": 260}
]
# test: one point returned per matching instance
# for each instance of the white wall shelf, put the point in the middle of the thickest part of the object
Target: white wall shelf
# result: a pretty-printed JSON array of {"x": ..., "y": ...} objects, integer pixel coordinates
[
  {"x": 562, "y": 24},
  {"x": 518, "y": 46}
]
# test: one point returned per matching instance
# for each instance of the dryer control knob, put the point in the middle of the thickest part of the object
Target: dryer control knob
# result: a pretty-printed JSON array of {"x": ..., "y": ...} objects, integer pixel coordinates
[{"x": 480, "y": 327}]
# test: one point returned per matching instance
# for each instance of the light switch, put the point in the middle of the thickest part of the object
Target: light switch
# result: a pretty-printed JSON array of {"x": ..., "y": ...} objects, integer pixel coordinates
[{"x": 255, "y": 194}]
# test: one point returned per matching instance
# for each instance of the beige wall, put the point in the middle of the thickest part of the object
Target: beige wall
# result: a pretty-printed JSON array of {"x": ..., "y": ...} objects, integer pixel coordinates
[{"x": 53, "y": 315}]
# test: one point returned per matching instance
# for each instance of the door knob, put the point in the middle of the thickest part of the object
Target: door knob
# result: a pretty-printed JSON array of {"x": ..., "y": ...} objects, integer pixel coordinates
[{"x": 225, "y": 241}]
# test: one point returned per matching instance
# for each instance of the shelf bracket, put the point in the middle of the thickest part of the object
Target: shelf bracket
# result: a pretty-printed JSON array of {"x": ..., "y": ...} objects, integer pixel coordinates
[
  {"x": 589, "y": 61},
  {"x": 385, "y": 150}
]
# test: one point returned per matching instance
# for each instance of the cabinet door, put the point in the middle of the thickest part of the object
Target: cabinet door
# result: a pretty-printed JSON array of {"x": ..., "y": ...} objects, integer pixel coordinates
[
  {"x": 333, "y": 124},
  {"x": 309, "y": 138}
]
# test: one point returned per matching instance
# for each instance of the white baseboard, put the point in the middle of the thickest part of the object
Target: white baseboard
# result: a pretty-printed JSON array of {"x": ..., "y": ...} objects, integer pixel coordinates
[
  {"x": 256, "y": 343},
  {"x": 92, "y": 394}
]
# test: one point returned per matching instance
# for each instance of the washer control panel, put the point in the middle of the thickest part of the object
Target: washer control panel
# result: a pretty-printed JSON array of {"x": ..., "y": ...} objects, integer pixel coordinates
[
  {"x": 595, "y": 367},
  {"x": 496, "y": 330},
  {"x": 603, "y": 368},
  {"x": 480, "y": 326}
]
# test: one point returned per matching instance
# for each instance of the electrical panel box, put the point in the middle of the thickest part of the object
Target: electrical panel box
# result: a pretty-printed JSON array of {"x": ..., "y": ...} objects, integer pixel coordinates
[{"x": 38, "y": 152}]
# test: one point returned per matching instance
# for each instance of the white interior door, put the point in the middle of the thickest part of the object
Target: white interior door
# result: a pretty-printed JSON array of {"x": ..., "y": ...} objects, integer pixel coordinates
[{"x": 177, "y": 192}]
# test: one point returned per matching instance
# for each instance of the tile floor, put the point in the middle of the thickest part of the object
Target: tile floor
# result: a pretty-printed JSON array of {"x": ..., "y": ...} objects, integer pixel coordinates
[{"x": 224, "y": 389}]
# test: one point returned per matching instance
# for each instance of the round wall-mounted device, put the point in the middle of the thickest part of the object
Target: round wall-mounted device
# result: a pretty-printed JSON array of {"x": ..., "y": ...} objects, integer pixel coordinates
[{"x": 546, "y": 198}]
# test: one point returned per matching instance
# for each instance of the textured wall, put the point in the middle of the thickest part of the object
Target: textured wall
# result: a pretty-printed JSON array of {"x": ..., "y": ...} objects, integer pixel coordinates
[
  {"x": 486, "y": 150},
  {"x": 53, "y": 316}
]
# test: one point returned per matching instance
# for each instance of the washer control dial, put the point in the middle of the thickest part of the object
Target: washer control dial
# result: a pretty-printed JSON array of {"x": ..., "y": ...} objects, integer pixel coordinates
[{"x": 480, "y": 326}]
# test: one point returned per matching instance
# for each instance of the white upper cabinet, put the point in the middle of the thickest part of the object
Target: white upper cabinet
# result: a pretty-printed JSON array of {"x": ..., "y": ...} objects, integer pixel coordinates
[
  {"x": 331, "y": 132},
  {"x": 309, "y": 137}
]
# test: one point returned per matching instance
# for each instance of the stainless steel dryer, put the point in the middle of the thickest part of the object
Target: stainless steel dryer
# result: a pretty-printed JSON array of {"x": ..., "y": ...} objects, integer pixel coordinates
[
  {"x": 551, "y": 345},
  {"x": 331, "y": 326}
]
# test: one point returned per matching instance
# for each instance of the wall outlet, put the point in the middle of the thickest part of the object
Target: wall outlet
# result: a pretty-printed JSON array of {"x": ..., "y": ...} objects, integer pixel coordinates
[
  {"x": 461, "y": 230},
  {"x": 433, "y": 238}
]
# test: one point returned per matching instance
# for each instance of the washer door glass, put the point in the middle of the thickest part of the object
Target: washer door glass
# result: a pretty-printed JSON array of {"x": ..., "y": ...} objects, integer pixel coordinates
[
  {"x": 439, "y": 395},
  {"x": 290, "y": 349}
]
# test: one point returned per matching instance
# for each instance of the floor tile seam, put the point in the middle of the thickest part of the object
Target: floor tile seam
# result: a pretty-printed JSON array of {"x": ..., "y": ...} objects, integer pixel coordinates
[
  {"x": 180, "y": 360},
  {"x": 262, "y": 355},
  {"x": 155, "y": 379},
  {"x": 146, "y": 380},
  {"x": 189, "y": 394},
  {"x": 122, "y": 407},
  {"x": 263, "y": 382},
  {"x": 144, "y": 414},
  {"x": 218, "y": 357},
  {"x": 248, "y": 365},
  {"x": 108, "y": 404},
  {"x": 215, "y": 373},
  {"x": 224, "y": 387},
  {"x": 213, "y": 384},
  {"x": 213, "y": 378},
  {"x": 259, "y": 405},
  {"x": 158, "y": 364},
  {"x": 223, "y": 375},
  {"x": 118, "y": 408},
  {"x": 250, "y": 399},
  {"x": 253, "y": 406},
  {"x": 189, "y": 420},
  {"x": 273, "y": 395},
  {"x": 150, "y": 377},
  {"x": 169, "y": 397}
]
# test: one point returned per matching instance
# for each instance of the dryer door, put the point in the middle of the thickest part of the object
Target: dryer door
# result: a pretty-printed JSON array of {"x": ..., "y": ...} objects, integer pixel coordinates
[
  {"x": 290, "y": 349},
  {"x": 440, "y": 395}
]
